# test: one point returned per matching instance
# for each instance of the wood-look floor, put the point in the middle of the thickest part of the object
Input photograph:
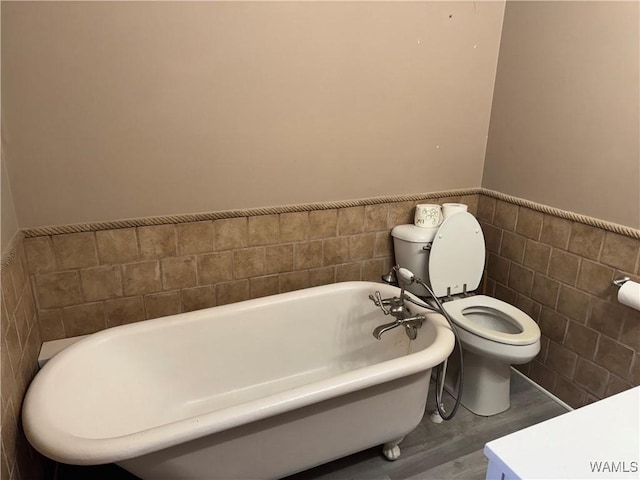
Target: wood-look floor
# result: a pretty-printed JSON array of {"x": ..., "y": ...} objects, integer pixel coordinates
[{"x": 449, "y": 450}]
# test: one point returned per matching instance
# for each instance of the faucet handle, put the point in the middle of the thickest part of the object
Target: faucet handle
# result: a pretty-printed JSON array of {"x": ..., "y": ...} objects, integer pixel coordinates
[{"x": 379, "y": 302}]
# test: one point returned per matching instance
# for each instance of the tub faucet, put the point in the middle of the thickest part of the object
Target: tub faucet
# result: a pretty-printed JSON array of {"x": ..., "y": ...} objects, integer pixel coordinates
[
  {"x": 410, "y": 324},
  {"x": 395, "y": 306}
]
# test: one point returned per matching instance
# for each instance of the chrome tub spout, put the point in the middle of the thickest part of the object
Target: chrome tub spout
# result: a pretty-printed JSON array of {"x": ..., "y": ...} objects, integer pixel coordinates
[
  {"x": 410, "y": 324},
  {"x": 379, "y": 330}
]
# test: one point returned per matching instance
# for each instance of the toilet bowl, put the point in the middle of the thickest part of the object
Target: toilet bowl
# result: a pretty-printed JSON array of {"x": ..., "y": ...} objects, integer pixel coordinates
[{"x": 494, "y": 334}]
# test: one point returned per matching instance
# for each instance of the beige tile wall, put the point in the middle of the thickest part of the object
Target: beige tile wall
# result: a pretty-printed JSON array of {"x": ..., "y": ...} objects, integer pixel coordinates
[
  {"x": 560, "y": 272},
  {"x": 19, "y": 346},
  {"x": 85, "y": 282},
  {"x": 556, "y": 270}
]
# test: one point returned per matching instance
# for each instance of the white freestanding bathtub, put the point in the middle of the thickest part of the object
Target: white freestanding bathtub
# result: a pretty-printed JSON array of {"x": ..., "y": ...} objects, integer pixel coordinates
[{"x": 258, "y": 389}]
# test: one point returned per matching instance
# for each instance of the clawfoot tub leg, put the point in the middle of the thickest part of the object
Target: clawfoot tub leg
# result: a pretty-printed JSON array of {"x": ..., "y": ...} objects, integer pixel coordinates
[{"x": 391, "y": 450}]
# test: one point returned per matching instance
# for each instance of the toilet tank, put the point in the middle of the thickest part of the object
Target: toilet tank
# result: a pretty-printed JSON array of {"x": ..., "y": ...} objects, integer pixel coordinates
[{"x": 411, "y": 246}]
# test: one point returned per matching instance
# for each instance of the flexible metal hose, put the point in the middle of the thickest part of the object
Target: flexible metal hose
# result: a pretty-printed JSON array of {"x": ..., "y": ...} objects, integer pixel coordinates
[{"x": 440, "y": 309}]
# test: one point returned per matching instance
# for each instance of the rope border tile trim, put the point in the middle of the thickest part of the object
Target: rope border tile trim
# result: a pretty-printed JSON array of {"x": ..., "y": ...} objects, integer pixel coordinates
[{"x": 8, "y": 257}]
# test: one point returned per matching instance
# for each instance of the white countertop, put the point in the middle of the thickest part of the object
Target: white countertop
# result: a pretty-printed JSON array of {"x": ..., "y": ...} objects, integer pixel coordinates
[{"x": 598, "y": 441}]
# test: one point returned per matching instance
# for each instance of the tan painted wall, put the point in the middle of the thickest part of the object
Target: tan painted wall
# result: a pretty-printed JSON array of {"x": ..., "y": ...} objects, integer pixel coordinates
[
  {"x": 564, "y": 124},
  {"x": 8, "y": 223},
  {"x": 128, "y": 109}
]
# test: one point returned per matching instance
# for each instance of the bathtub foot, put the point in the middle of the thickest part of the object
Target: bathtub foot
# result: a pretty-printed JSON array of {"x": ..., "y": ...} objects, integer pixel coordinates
[{"x": 391, "y": 450}]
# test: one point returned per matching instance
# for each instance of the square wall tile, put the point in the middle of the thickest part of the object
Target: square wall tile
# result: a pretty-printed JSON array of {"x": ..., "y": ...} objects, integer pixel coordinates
[
  {"x": 178, "y": 272},
  {"x": 529, "y": 307},
  {"x": 375, "y": 217},
  {"x": 336, "y": 250},
  {"x": 57, "y": 289},
  {"x": 194, "y": 237},
  {"x": 264, "y": 286},
  {"x": 562, "y": 360},
  {"x": 294, "y": 226},
  {"x": 402, "y": 213},
  {"x": 502, "y": 292},
  {"x": 383, "y": 245},
  {"x": 536, "y": 256},
  {"x": 555, "y": 231},
  {"x": 591, "y": 377},
  {"x": 543, "y": 376},
  {"x": 197, "y": 298},
  {"x": 140, "y": 278},
  {"x": 157, "y": 241},
  {"x": 322, "y": 276},
  {"x": 232, "y": 292},
  {"x": 620, "y": 252},
  {"x": 40, "y": 255},
  {"x": 553, "y": 325},
  {"x": 498, "y": 268},
  {"x": 614, "y": 356},
  {"x": 529, "y": 223},
  {"x": 117, "y": 246},
  {"x": 486, "y": 208},
  {"x": 581, "y": 340},
  {"x": 215, "y": 267},
  {"x": 520, "y": 279},
  {"x": 75, "y": 250},
  {"x": 231, "y": 233},
  {"x": 349, "y": 272},
  {"x": 162, "y": 304},
  {"x": 263, "y": 230},
  {"x": 278, "y": 258},
  {"x": 471, "y": 201},
  {"x": 630, "y": 334},
  {"x": 506, "y": 215},
  {"x": 569, "y": 393},
  {"x": 586, "y": 240},
  {"x": 101, "y": 283},
  {"x": 83, "y": 319},
  {"x": 545, "y": 290},
  {"x": 564, "y": 266},
  {"x": 606, "y": 317},
  {"x": 308, "y": 255},
  {"x": 294, "y": 281},
  {"x": 350, "y": 220},
  {"x": 121, "y": 311},
  {"x": 323, "y": 223},
  {"x": 362, "y": 247},
  {"x": 51, "y": 325},
  {"x": 616, "y": 385},
  {"x": 573, "y": 303},
  {"x": 492, "y": 237},
  {"x": 372, "y": 270},
  {"x": 513, "y": 246},
  {"x": 248, "y": 262},
  {"x": 596, "y": 279}
]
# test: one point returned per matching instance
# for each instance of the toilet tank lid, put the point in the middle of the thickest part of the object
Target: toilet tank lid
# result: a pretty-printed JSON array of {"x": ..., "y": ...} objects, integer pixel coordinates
[{"x": 412, "y": 233}]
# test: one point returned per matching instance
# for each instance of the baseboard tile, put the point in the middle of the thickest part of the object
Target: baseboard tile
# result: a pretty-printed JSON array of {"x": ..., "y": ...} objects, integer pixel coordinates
[{"x": 546, "y": 392}]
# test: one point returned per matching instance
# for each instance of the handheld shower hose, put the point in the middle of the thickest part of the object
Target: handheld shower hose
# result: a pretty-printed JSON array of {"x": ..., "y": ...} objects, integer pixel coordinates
[{"x": 407, "y": 278}]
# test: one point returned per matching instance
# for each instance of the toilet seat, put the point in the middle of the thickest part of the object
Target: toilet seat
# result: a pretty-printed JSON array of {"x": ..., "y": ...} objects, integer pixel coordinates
[
  {"x": 518, "y": 327},
  {"x": 456, "y": 261}
]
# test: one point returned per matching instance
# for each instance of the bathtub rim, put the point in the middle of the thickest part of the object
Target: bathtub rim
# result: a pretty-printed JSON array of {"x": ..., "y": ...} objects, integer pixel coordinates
[{"x": 60, "y": 445}]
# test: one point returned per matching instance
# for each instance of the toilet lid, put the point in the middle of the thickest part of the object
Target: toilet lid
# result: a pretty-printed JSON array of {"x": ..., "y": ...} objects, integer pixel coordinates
[
  {"x": 493, "y": 319},
  {"x": 457, "y": 255}
]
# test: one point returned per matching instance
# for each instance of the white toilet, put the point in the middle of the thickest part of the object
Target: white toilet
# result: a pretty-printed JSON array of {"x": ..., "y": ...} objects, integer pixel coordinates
[{"x": 494, "y": 334}]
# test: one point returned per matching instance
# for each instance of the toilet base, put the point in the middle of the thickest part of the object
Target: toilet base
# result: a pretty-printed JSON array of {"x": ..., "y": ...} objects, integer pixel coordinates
[{"x": 486, "y": 387}]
